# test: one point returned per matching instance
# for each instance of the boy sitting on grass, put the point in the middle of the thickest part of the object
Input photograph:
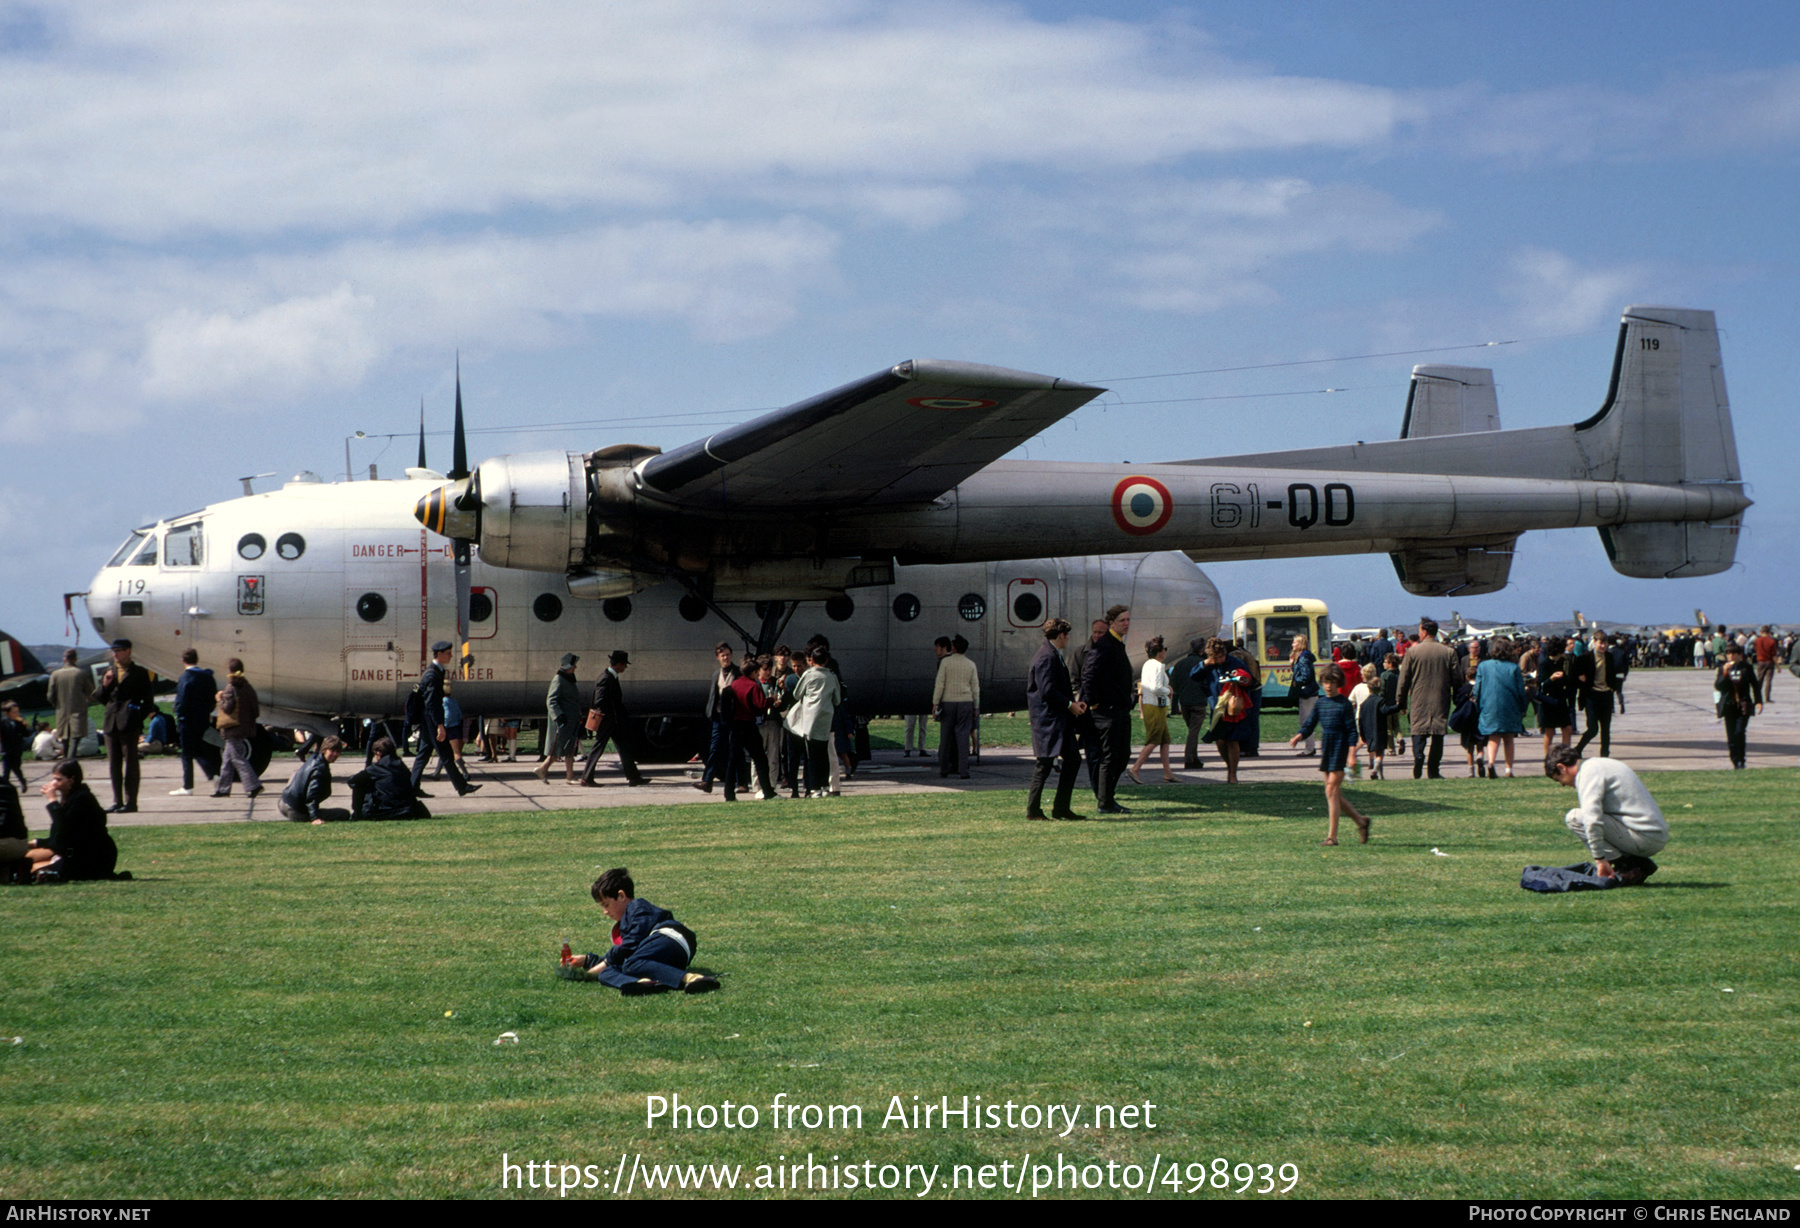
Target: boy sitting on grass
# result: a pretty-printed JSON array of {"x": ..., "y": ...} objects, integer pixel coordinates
[{"x": 651, "y": 949}]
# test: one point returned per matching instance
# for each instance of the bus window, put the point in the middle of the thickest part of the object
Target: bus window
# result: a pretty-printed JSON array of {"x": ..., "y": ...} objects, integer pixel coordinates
[{"x": 1280, "y": 631}]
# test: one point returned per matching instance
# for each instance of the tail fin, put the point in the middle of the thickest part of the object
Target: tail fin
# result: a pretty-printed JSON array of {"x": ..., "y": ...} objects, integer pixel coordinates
[
  {"x": 1444, "y": 400},
  {"x": 1666, "y": 420}
]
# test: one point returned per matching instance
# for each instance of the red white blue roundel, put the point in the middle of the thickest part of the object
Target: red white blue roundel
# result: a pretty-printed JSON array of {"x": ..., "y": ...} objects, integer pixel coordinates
[
  {"x": 1141, "y": 505},
  {"x": 951, "y": 403}
]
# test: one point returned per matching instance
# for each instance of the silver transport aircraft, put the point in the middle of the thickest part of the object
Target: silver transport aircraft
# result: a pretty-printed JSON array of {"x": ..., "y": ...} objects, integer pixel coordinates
[{"x": 881, "y": 514}]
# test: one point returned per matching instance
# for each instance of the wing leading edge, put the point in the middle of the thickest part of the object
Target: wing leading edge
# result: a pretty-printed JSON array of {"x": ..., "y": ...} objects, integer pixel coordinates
[{"x": 904, "y": 435}]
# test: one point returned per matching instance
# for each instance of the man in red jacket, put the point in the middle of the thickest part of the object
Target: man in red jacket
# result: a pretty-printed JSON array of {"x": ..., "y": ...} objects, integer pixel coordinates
[{"x": 748, "y": 702}]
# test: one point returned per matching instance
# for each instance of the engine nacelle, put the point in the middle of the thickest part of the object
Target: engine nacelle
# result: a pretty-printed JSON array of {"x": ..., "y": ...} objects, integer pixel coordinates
[{"x": 533, "y": 510}]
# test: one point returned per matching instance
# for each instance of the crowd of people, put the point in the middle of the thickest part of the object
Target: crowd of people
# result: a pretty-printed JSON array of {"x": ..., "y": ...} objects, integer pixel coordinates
[{"x": 781, "y": 722}]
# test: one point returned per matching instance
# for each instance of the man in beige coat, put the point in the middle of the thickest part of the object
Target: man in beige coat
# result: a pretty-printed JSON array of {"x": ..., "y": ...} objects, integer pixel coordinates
[
  {"x": 1427, "y": 680},
  {"x": 71, "y": 690}
]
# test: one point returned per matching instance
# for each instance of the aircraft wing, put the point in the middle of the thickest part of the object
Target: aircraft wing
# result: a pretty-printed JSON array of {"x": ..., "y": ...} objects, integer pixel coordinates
[{"x": 905, "y": 435}]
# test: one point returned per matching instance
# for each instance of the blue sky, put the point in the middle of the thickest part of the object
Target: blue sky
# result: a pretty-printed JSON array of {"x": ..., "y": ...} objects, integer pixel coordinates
[{"x": 234, "y": 235}]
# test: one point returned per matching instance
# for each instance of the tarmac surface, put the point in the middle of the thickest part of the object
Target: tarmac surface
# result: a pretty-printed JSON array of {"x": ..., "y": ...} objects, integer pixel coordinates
[{"x": 1668, "y": 725}]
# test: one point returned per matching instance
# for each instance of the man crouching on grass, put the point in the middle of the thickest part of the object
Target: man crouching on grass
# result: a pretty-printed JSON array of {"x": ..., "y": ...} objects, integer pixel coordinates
[
  {"x": 1617, "y": 817},
  {"x": 651, "y": 949}
]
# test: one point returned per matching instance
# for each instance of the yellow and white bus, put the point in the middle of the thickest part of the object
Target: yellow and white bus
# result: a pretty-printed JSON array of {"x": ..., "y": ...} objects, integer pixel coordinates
[{"x": 1268, "y": 628}]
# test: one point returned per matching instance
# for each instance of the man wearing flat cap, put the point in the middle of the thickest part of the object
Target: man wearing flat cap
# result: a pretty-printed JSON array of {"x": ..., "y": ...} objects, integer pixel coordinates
[
  {"x": 434, "y": 735},
  {"x": 125, "y": 690}
]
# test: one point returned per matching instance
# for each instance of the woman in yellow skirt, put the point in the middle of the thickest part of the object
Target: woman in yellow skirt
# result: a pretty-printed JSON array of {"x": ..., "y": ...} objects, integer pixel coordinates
[{"x": 1155, "y": 690}]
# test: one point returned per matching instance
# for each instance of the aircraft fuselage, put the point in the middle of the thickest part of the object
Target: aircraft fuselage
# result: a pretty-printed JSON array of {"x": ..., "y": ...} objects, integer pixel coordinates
[{"x": 331, "y": 593}]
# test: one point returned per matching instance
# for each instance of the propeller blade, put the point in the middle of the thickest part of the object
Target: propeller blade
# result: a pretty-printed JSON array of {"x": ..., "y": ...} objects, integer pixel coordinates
[
  {"x": 422, "y": 463},
  {"x": 462, "y": 596},
  {"x": 459, "y": 467}
]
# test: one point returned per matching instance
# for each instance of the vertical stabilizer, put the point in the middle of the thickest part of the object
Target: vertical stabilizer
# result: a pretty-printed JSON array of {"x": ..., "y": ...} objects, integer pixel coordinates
[
  {"x": 1445, "y": 400},
  {"x": 1666, "y": 420}
]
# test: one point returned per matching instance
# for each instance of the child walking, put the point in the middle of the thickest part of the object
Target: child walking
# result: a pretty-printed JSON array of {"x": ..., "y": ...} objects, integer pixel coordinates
[{"x": 1336, "y": 722}]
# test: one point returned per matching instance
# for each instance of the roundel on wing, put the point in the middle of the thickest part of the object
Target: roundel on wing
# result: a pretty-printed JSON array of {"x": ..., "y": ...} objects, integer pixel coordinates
[
  {"x": 951, "y": 403},
  {"x": 1141, "y": 505}
]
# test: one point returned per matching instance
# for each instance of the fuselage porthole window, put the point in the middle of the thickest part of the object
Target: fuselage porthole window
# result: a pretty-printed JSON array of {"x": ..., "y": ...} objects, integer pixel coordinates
[
  {"x": 616, "y": 609},
  {"x": 906, "y": 607},
  {"x": 839, "y": 608},
  {"x": 481, "y": 607},
  {"x": 290, "y": 546},
  {"x": 251, "y": 546},
  {"x": 1028, "y": 609},
  {"x": 371, "y": 607},
  {"x": 972, "y": 606},
  {"x": 692, "y": 608},
  {"x": 548, "y": 607}
]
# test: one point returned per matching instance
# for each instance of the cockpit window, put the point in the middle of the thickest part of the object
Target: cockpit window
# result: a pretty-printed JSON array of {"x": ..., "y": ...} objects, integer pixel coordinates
[
  {"x": 146, "y": 555},
  {"x": 184, "y": 546},
  {"x": 125, "y": 551}
]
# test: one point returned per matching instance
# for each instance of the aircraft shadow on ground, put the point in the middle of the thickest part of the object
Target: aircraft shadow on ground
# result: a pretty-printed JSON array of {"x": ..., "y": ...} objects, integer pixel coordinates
[
  {"x": 1271, "y": 800},
  {"x": 1718, "y": 744}
]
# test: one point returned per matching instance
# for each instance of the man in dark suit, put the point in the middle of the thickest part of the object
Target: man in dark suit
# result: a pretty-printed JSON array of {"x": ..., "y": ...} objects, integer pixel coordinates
[
  {"x": 717, "y": 711},
  {"x": 196, "y": 691},
  {"x": 1086, "y": 742},
  {"x": 125, "y": 690},
  {"x": 609, "y": 701},
  {"x": 434, "y": 734},
  {"x": 1106, "y": 689},
  {"x": 1051, "y": 697},
  {"x": 1596, "y": 679}
]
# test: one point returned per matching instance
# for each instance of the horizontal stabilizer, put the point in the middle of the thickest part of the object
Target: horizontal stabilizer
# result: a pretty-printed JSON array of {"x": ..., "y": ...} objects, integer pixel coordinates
[
  {"x": 1460, "y": 571},
  {"x": 1443, "y": 400},
  {"x": 1670, "y": 551}
]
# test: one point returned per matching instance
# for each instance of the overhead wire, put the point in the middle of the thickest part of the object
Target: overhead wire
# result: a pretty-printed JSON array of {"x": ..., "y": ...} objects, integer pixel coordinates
[{"x": 733, "y": 417}]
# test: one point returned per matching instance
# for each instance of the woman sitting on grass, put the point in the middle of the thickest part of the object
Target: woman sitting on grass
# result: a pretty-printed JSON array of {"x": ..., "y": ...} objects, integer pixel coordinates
[
  {"x": 1336, "y": 721},
  {"x": 78, "y": 846}
]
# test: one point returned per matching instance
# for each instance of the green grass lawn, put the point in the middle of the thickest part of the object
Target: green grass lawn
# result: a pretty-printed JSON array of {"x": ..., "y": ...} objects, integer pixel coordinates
[{"x": 275, "y": 1010}]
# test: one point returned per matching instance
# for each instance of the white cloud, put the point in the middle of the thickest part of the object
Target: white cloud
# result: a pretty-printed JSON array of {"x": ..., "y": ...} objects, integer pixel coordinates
[
  {"x": 1722, "y": 113},
  {"x": 298, "y": 343},
  {"x": 81, "y": 345},
  {"x": 1555, "y": 295},
  {"x": 1202, "y": 246},
  {"x": 245, "y": 119}
]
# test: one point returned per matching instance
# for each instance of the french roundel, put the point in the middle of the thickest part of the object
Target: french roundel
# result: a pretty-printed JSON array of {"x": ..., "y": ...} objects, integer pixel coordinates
[
  {"x": 951, "y": 403},
  {"x": 1141, "y": 505}
]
